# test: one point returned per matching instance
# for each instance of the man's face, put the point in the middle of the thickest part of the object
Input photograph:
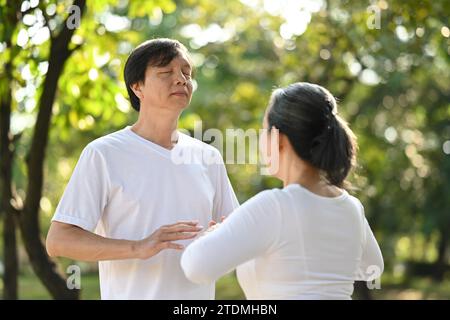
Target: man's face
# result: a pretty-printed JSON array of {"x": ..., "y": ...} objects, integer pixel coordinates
[{"x": 168, "y": 87}]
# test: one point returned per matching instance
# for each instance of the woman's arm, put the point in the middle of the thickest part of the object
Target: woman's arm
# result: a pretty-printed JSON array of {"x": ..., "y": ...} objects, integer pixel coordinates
[
  {"x": 372, "y": 264},
  {"x": 248, "y": 232}
]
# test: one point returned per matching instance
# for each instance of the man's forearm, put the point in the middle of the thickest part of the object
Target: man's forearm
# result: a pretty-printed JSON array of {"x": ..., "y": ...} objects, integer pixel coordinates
[
  {"x": 79, "y": 244},
  {"x": 66, "y": 240}
]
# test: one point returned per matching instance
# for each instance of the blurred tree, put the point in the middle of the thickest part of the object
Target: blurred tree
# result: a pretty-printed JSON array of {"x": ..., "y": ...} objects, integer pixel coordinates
[
  {"x": 7, "y": 210},
  {"x": 59, "y": 52}
]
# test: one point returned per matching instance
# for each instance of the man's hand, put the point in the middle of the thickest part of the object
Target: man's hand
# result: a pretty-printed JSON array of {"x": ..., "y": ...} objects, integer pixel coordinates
[{"x": 162, "y": 238}]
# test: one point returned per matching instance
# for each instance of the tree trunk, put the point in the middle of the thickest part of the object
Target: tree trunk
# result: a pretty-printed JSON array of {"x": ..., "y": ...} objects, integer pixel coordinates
[
  {"x": 441, "y": 263},
  {"x": 6, "y": 209},
  {"x": 11, "y": 259},
  {"x": 6, "y": 157},
  {"x": 42, "y": 265}
]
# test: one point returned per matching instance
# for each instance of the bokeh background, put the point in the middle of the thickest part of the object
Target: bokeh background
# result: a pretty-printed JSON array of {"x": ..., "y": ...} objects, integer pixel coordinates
[{"x": 386, "y": 61}]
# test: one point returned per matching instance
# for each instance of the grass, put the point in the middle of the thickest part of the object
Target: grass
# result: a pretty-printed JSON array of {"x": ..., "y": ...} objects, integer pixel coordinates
[
  {"x": 227, "y": 288},
  {"x": 30, "y": 288}
]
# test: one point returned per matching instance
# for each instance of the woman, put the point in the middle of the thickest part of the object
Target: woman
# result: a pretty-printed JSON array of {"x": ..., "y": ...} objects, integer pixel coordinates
[{"x": 309, "y": 240}]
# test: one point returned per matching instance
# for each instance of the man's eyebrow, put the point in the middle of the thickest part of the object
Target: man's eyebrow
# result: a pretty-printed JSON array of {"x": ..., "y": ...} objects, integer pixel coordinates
[{"x": 161, "y": 67}]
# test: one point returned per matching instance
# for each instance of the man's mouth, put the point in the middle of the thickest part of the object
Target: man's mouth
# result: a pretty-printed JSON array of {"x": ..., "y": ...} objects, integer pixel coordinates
[{"x": 179, "y": 94}]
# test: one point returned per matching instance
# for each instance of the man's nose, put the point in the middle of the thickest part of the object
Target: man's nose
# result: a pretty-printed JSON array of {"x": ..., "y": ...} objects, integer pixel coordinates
[{"x": 181, "y": 78}]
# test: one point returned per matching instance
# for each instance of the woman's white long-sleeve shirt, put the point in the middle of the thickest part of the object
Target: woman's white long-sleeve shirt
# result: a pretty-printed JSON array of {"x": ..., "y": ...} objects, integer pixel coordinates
[{"x": 290, "y": 244}]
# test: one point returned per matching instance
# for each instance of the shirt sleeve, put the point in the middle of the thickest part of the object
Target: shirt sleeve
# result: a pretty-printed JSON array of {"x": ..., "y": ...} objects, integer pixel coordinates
[
  {"x": 372, "y": 264},
  {"x": 86, "y": 194},
  {"x": 225, "y": 200},
  {"x": 247, "y": 233}
]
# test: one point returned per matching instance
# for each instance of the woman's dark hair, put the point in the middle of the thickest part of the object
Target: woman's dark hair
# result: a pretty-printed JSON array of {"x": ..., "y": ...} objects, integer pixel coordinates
[
  {"x": 307, "y": 114},
  {"x": 156, "y": 52}
]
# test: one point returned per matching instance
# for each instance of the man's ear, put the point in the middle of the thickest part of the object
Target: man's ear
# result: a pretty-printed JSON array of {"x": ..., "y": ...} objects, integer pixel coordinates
[{"x": 136, "y": 87}]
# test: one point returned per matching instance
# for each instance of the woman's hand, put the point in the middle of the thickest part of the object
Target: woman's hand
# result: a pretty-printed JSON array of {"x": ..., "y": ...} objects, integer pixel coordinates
[
  {"x": 212, "y": 222},
  {"x": 213, "y": 225}
]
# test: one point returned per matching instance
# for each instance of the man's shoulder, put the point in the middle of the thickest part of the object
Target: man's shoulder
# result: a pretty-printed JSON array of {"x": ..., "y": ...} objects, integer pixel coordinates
[{"x": 109, "y": 142}]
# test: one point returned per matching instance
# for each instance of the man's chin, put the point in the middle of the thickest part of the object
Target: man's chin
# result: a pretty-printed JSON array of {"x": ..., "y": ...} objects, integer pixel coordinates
[
  {"x": 179, "y": 105},
  {"x": 184, "y": 105}
]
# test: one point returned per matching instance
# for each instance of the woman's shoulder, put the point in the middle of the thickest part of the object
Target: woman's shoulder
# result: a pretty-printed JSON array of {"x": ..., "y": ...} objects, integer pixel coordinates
[
  {"x": 357, "y": 204},
  {"x": 266, "y": 200},
  {"x": 262, "y": 208},
  {"x": 269, "y": 194}
]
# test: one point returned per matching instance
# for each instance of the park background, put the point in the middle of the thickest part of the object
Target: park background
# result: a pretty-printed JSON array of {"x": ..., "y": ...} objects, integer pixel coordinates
[{"x": 61, "y": 86}]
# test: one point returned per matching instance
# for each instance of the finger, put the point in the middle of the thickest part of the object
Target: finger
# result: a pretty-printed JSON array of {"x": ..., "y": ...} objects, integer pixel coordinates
[
  {"x": 180, "y": 228},
  {"x": 183, "y": 228},
  {"x": 211, "y": 223},
  {"x": 178, "y": 236},
  {"x": 189, "y": 222},
  {"x": 222, "y": 219}
]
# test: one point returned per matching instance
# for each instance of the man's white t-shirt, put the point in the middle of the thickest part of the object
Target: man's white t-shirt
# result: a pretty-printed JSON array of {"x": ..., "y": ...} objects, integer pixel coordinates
[
  {"x": 290, "y": 243},
  {"x": 126, "y": 187}
]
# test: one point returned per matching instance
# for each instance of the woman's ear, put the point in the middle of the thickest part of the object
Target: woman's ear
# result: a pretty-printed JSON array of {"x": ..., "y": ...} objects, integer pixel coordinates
[
  {"x": 274, "y": 139},
  {"x": 136, "y": 87},
  {"x": 283, "y": 141}
]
